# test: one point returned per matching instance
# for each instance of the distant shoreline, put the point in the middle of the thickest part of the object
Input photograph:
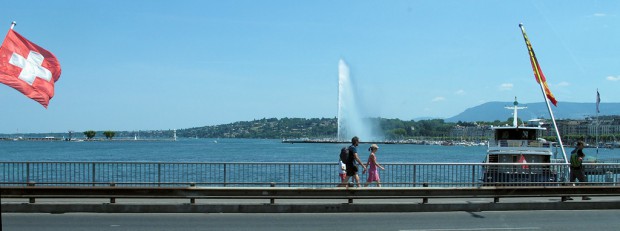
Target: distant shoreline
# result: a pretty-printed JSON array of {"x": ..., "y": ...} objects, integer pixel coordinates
[
  {"x": 347, "y": 142},
  {"x": 53, "y": 139},
  {"x": 407, "y": 141}
]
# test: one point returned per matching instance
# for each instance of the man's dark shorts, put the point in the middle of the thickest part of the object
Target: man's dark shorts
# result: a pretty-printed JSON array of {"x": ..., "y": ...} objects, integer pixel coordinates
[{"x": 351, "y": 170}]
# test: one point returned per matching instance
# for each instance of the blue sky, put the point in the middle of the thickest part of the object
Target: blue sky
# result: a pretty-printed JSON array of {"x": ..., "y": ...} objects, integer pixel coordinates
[{"x": 151, "y": 65}]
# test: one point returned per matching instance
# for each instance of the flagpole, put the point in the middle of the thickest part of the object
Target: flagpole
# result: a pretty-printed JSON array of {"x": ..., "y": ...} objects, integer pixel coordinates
[
  {"x": 12, "y": 25},
  {"x": 557, "y": 132},
  {"x": 597, "y": 121},
  {"x": 536, "y": 72}
]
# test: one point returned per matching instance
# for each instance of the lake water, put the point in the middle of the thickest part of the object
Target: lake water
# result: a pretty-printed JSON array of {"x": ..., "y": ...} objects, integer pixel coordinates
[{"x": 240, "y": 150}]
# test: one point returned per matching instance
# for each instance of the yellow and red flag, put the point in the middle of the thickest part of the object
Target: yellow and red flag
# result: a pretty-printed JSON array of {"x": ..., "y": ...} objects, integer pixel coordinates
[{"x": 540, "y": 77}]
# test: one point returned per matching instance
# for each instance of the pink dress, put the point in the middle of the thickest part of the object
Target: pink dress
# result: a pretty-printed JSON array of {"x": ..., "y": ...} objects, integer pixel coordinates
[{"x": 373, "y": 172}]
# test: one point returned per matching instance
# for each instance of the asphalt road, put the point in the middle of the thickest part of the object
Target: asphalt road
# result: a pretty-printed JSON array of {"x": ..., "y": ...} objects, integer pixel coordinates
[{"x": 438, "y": 221}]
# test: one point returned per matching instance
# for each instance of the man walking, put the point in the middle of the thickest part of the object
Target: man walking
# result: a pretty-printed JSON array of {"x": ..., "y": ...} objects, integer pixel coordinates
[
  {"x": 576, "y": 167},
  {"x": 351, "y": 168}
]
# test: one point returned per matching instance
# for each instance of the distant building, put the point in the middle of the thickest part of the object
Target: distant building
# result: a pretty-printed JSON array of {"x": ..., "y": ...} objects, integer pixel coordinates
[
  {"x": 608, "y": 126},
  {"x": 471, "y": 132}
]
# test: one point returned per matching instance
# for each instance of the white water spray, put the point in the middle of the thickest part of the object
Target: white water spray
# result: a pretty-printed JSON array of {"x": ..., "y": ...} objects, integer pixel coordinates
[{"x": 350, "y": 117}]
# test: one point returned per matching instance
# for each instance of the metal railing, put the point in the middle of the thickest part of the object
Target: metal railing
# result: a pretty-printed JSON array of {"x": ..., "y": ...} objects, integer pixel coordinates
[
  {"x": 240, "y": 174},
  {"x": 520, "y": 143}
]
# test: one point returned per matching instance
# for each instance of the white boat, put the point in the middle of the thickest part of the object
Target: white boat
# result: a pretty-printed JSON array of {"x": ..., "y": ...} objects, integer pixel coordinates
[{"x": 520, "y": 144}]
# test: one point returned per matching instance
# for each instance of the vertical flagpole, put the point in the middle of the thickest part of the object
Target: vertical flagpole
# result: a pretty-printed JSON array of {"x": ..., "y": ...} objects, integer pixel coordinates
[
  {"x": 540, "y": 82},
  {"x": 597, "y": 121}
]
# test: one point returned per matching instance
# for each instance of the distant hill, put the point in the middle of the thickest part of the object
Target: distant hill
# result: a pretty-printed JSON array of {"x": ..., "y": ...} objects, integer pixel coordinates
[{"x": 565, "y": 110}]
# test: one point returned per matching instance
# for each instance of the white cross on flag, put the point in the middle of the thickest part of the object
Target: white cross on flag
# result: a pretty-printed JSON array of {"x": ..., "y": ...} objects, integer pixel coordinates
[{"x": 28, "y": 68}]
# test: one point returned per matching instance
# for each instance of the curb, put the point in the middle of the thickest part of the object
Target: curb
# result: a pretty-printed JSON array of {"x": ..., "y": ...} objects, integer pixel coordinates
[{"x": 300, "y": 208}]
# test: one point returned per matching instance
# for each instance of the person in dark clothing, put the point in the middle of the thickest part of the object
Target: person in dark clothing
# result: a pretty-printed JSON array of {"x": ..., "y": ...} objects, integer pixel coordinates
[
  {"x": 576, "y": 166},
  {"x": 352, "y": 158}
]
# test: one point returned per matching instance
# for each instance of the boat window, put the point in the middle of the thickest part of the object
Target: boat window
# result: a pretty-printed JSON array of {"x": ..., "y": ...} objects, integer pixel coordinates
[
  {"x": 518, "y": 134},
  {"x": 532, "y": 135}
]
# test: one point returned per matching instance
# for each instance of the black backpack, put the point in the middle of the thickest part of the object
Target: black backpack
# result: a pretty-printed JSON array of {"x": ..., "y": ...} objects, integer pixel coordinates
[{"x": 344, "y": 154}]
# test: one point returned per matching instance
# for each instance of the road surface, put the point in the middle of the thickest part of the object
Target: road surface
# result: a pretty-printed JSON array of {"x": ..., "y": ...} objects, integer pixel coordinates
[{"x": 436, "y": 221}]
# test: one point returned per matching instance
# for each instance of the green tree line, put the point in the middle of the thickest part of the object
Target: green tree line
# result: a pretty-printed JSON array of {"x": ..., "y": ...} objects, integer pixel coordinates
[{"x": 291, "y": 128}]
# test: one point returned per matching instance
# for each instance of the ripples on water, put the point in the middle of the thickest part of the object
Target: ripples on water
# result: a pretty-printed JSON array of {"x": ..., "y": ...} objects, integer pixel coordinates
[{"x": 239, "y": 150}]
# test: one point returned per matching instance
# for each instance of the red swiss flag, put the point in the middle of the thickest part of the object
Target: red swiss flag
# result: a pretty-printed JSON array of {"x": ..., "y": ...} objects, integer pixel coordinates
[
  {"x": 523, "y": 161},
  {"x": 28, "y": 68}
]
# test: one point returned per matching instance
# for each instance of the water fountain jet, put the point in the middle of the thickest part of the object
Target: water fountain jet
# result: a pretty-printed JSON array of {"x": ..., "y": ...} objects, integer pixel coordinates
[{"x": 351, "y": 119}]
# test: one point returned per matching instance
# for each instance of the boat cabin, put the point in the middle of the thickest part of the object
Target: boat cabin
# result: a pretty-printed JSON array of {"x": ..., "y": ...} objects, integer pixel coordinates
[
  {"x": 514, "y": 148},
  {"x": 518, "y": 145}
]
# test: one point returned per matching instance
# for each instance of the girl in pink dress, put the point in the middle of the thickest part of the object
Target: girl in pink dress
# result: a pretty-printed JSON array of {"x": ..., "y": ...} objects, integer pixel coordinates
[{"x": 373, "y": 172}]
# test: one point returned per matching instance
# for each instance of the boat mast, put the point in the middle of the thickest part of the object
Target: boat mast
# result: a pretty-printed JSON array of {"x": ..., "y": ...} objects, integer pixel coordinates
[{"x": 515, "y": 122}]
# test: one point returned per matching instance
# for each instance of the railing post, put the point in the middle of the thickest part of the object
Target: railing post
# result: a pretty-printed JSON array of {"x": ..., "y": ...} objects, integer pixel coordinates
[
  {"x": 192, "y": 200},
  {"x": 112, "y": 199},
  {"x": 31, "y": 200},
  {"x": 349, "y": 185},
  {"x": 413, "y": 176},
  {"x": 28, "y": 172},
  {"x": 272, "y": 200},
  {"x": 425, "y": 199},
  {"x": 159, "y": 175},
  {"x": 224, "y": 174},
  {"x": 94, "y": 178},
  {"x": 289, "y": 175}
]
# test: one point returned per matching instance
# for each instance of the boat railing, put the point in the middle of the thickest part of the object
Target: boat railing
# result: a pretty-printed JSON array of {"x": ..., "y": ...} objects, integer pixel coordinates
[
  {"x": 519, "y": 144},
  {"x": 291, "y": 174}
]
